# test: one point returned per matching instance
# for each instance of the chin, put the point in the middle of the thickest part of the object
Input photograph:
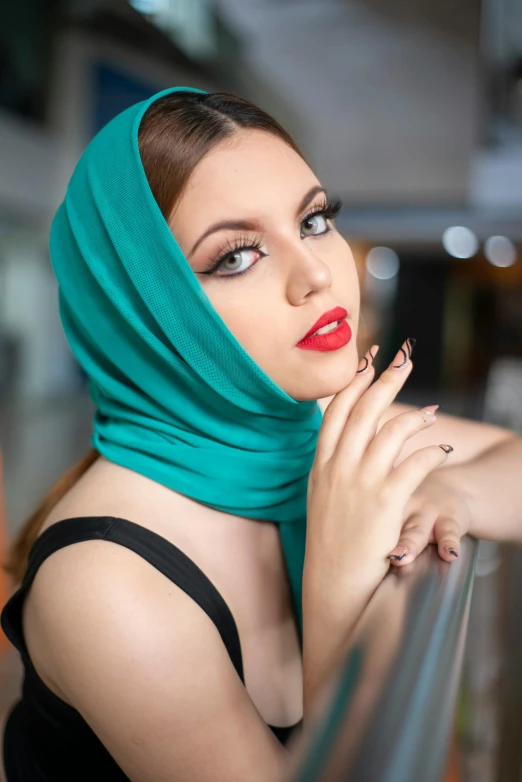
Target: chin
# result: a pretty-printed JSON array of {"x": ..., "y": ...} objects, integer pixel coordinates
[
  {"x": 323, "y": 393},
  {"x": 324, "y": 383}
]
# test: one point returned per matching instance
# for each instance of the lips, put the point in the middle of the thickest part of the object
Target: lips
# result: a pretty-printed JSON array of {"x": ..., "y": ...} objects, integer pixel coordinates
[{"x": 338, "y": 313}]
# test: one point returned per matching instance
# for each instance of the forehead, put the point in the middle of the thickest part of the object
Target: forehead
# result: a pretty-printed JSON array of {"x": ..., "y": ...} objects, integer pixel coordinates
[{"x": 250, "y": 174}]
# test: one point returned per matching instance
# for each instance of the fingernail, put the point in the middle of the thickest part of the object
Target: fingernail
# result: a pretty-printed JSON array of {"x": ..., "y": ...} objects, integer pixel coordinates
[
  {"x": 447, "y": 448},
  {"x": 452, "y": 552},
  {"x": 367, "y": 359},
  {"x": 404, "y": 354},
  {"x": 398, "y": 553},
  {"x": 430, "y": 410}
]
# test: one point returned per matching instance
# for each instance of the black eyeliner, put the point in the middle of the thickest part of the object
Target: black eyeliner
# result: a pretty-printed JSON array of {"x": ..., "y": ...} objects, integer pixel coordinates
[
  {"x": 330, "y": 209},
  {"x": 233, "y": 246}
]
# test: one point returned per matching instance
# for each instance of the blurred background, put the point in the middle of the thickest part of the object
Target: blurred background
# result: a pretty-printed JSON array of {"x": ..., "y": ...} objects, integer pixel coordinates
[{"x": 410, "y": 110}]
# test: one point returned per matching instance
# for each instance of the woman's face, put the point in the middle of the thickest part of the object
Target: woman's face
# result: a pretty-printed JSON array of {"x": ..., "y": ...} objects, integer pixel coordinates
[{"x": 298, "y": 266}]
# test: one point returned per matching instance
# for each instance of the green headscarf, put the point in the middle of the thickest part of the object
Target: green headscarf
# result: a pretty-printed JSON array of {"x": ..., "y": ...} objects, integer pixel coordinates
[{"x": 178, "y": 399}]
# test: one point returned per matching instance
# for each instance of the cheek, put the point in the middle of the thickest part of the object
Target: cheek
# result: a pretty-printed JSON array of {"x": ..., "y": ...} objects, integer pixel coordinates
[
  {"x": 345, "y": 278},
  {"x": 243, "y": 311},
  {"x": 342, "y": 257},
  {"x": 253, "y": 320},
  {"x": 250, "y": 313}
]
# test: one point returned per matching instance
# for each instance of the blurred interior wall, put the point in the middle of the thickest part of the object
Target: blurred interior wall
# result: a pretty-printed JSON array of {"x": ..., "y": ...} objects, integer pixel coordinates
[
  {"x": 412, "y": 102},
  {"x": 36, "y": 163},
  {"x": 77, "y": 53},
  {"x": 28, "y": 156},
  {"x": 29, "y": 315},
  {"x": 389, "y": 90}
]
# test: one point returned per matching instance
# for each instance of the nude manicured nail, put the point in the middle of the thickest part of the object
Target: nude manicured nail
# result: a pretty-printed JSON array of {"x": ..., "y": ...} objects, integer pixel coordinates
[
  {"x": 430, "y": 410},
  {"x": 398, "y": 553},
  {"x": 404, "y": 354},
  {"x": 367, "y": 359}
]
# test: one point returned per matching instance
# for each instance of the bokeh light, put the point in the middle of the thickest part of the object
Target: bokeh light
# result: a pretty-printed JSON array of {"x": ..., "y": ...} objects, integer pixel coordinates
[
  {"x": 460, "y": 242},
  {"x": 382, "y": 263},
  {"x": 500, "y": 251}
]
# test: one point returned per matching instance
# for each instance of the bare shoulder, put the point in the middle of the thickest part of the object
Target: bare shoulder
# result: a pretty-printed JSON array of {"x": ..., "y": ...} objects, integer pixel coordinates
[{"x": 146, "y": 668}]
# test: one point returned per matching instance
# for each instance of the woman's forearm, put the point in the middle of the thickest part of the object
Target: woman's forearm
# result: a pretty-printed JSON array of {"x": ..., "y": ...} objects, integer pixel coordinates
[
  {"x": 492, "y": 483},
  {"x": 330, "y": 613}
]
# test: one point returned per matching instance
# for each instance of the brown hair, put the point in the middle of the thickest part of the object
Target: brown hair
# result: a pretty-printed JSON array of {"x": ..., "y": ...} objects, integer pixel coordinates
[{"x": 174, "y": 135}]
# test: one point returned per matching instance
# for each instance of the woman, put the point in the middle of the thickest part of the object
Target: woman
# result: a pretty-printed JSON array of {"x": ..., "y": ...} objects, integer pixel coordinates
[{"x": 161, "y": 620}]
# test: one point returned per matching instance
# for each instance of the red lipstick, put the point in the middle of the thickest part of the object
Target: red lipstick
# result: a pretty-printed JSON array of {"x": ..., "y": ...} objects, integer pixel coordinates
[{"x": 334, "y": 339}]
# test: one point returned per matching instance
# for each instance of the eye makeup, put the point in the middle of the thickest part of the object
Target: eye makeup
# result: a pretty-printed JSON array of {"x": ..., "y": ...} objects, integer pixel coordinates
[{"x": 329, "y": 209}]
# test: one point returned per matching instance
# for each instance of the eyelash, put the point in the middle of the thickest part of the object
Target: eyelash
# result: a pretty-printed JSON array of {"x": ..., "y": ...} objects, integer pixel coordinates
[{"x": 329, "y": 209}]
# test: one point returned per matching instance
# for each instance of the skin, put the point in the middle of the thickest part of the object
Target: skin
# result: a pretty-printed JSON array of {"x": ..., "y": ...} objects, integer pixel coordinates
[
  {"x": 123, "y": 645},
  {"x": 255, "y": 176}
]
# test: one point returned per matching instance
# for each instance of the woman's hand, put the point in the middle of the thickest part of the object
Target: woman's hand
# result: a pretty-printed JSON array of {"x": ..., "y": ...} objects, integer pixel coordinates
[
  {"x": 437, "y": 513},
  {"x": 356, "y": 497},
  {"x": 355, "y": 506}
]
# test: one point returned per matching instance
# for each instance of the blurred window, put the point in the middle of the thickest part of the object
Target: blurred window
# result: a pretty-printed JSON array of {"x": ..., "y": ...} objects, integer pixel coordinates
[
  {"x": 25, "y": 43},
  {"x": 114, "y": 91},
  {"x": 189, "y": 23}
]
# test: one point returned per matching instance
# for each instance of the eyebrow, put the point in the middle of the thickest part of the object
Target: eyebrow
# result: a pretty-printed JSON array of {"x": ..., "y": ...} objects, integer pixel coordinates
[{"x": 250, "y": 225}]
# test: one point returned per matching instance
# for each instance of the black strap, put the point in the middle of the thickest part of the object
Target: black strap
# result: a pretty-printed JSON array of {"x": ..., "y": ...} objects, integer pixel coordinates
[{"x": 159, "y": 552}]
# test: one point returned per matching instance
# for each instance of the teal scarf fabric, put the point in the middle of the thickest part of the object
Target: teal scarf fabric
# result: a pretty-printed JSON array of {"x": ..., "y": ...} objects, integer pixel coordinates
[{"x": 177, "y": 398}]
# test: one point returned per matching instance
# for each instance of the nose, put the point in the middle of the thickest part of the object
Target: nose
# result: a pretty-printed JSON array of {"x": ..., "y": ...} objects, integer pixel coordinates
[{"x": 307, "y": 272}]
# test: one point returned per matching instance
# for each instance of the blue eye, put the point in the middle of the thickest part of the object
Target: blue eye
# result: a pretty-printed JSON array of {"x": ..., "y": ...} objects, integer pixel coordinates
[
  {"x": 237, "y": 257},
  {"x": 314, "y": 225},
  {"x": 243, "y": 248}
]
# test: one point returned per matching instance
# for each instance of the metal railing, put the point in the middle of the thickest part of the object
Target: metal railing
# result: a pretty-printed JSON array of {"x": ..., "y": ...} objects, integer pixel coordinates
[{"x": 388, "y": 715}]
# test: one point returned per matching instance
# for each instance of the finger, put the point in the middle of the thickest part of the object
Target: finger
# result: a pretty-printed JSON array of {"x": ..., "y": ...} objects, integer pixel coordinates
[
  {"x": 334, "y": 418},
  {"x": 415, "y": 536},
  {"x": 361, "y": 426},
  {"x": 409, "y": 474},
  {"x": 447, "y": 537},
  {"x": 425, "y": 508},
  {"x": 387, "y": 444}
]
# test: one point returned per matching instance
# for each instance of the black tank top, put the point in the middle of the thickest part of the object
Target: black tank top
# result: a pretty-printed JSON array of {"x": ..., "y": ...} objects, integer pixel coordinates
[{"x": 47, "y": 740}]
